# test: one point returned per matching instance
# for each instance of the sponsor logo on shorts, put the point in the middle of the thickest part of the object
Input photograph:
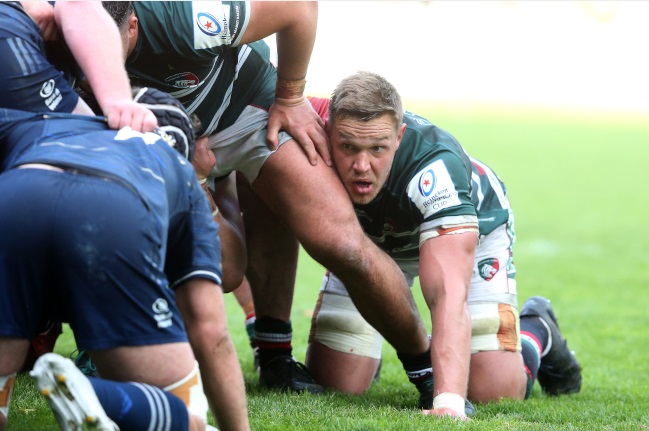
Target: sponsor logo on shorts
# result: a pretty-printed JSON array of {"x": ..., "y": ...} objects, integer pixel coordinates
[
  {"x": 488, "y": 268},
  {"x": 51, "y": 94},
  {"x": 207, "y": 24},
  {"x": 162, "y": 314},
  {"x": 427, "y": 182},
  {"x": 183, "y": 80}
]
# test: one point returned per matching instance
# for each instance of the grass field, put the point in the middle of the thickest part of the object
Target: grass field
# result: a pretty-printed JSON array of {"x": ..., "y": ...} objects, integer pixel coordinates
[{"x": 576, "y": 184}]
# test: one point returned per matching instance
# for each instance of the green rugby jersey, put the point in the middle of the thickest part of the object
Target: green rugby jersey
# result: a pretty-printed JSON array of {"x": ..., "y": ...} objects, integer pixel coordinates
[
  {"x": 191, "y": 50},
  {"x": 429, "y": 185},
  {"x": 489, "y": 197}
]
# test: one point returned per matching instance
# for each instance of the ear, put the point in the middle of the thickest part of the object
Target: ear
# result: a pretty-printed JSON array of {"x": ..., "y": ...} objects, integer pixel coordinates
[
  {"x": 402, "y": 131},
  {"x": 132, "y": 32}
]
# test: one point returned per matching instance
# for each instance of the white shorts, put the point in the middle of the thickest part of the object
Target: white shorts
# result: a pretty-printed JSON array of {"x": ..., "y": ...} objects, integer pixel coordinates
[
  {"x": 495, "y": 323},
  {"x": 242, "y": 146}
]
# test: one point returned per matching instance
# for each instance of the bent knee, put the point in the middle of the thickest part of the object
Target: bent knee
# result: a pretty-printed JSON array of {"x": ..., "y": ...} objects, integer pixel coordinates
[
  {"x": 495, "y": 375},
  {"x": 481, "y": 393}
]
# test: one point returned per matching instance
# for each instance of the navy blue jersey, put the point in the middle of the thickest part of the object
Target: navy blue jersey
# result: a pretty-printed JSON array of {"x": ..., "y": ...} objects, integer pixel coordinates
[
  {"x": 164, "y": 181},
  {"x": 30, "y": 82}
]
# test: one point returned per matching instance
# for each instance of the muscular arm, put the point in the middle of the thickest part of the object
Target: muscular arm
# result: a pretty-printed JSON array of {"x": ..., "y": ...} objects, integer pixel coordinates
[
  {"x": 446, "y": 263},
  {"x": 294, "y": 24},
  {"x": 94, "y": 40},
  {"x": 202, "y": 307},
  {"x": 42, "y": 12}
]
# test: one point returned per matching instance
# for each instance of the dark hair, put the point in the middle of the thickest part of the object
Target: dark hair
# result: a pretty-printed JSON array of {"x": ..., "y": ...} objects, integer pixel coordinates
[{"x": 118, "y": 10}]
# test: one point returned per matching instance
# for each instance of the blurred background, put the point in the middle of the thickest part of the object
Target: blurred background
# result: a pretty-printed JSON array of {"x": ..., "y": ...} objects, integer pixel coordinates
[{"x": 573, "y": 55}]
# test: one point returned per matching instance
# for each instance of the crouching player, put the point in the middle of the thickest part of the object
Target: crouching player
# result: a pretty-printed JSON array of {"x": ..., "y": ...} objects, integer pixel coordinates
[
  {"x": 423, "y": 201},
  {"x": 102, "y": 224}
]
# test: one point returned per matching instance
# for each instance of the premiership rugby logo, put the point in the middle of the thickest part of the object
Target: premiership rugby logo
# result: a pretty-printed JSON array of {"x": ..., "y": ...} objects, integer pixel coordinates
[
  {"x": 488, "y": 268},
  {"x": 207, "y": 24},
  {"x": 427, "y": 183}
]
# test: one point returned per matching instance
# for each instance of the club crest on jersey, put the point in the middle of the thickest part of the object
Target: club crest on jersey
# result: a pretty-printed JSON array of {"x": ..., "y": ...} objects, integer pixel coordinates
[
  {"x": 427, "y": 182},
  {"x": 207, "y": 24},
  {"x": 182, "y": 80},
  {"x": 488, "y": 268}
]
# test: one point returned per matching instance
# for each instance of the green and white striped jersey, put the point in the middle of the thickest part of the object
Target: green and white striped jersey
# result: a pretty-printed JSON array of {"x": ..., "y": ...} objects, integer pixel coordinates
[
  {"x": 433, "y": 182},
  {"x": 191, "y": 50}
]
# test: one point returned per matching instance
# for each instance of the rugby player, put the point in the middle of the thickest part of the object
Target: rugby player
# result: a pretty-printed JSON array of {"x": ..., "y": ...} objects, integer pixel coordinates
[
  {"x": 102, "y": 222},
  {"x": 209, "y": 56},
  {"x": 446, "y": 218}
]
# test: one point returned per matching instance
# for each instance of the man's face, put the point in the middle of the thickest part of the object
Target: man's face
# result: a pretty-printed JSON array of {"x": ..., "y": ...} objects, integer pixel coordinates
[{"x": 363, "y": 152}]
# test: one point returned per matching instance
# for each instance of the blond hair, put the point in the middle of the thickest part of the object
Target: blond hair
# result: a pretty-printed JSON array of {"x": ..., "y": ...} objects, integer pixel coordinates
[{"x": 365, "y": 95}]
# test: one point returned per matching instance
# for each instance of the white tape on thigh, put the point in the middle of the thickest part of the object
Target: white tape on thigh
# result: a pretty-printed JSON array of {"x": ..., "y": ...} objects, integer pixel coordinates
[
  {"x": 485, "y": 323},
  {"x": 190, "y": 390},
  {"x": 494, "y": 326},
  {"x": 339, "y": 326}
]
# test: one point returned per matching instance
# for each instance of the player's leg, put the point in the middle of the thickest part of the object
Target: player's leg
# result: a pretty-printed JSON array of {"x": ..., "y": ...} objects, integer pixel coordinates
[
  {"x": 272, "y": 266},
  {"x": 79, "y": 402},
  {"x": 344, "y": 351},
  {"x": 243, "y": 295},
  {"x": 234, "y": 253},
  {"x": 272, "y": 256},
  {"x": 231, "y": 231},
  {"x": 12, "y": 355},
  {"x": 559, "y": 371},
  {"x": 42, "y": 343},
  {"x": 112, "y": 290},
  {"x": 344, "y": 372},
  {"x": 495, "y": 375},
  {"x": 203, "y": 309},
  {"x": 497, "y": 369},
  {"x": 314, "y": 204},
  {"x": 24, "y": 275}
]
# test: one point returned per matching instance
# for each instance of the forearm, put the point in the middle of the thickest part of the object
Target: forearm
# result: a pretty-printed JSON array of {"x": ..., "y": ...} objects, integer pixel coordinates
[
  {"x": 223, "y": 383},
  {"x": 201, "y": 304},
  {"x": 295, "y": 43},
  {"x": 451, "y": 344},
  {"x": 446, "y": 264},
  {"x": 94, "y": 40}
]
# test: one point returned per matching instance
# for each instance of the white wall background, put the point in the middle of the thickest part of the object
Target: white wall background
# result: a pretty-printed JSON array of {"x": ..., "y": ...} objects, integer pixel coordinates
[{"x": 584, "y": 55}]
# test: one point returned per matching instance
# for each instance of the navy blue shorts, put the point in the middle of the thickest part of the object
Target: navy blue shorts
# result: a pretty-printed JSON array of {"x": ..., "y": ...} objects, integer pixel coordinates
[{"x": 82, "y": 249}]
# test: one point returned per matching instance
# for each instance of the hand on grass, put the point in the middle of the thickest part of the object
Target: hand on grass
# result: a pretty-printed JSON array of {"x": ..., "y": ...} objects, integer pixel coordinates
[{"x": 444, "y": 411}]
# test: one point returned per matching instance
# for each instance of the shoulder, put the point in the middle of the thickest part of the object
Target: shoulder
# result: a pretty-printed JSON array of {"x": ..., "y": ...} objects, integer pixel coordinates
[
  {"x": 16, "y": 22},
  {"x": 201, "y": 24}
]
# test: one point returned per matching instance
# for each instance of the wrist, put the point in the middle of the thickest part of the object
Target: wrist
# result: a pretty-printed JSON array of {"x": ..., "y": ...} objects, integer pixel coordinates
[
  {"x": 449, "y": 400},
  {"x": 290, "y": 102},
  {"x": 289, "y": 89}
]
